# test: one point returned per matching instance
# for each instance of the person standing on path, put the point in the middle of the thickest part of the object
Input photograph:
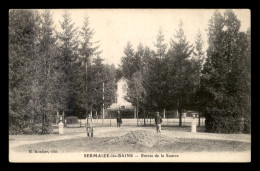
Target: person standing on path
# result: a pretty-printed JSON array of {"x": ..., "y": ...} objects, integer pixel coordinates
[
  {"x": 89, "y": 125},
  {"x": 158, "y": 122},
  {"x": 118, "y": 119}
]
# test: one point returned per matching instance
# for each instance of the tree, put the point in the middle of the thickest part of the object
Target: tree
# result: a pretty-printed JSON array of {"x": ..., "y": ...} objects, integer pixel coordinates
[
  {"x": 23, "y": 46},
  {"x": 68, "y": 45},
  {"x": 95, "y": 76},
  {"x": 198, "y": 52},
  {"x": 247, "y": 110},
  {"x": 225, "y": 80},
  {"x": 87, "y": 50},
  {"x": 119, "y": 73},
  {"x": 128, "y": 67},
  {"x": 160, "y": 45},
  {"x": 135, "y": 91},
  {"x": 147, "y": 56},
  {"x": 49, "y": 72},
  {"x": 137, "y": 59},
  {"x": 198, "y": 60},
  {"x": 155, "y": 74},
  {"x": 99, "y": 74},
  {"x": 109, "y": 84},
  {"x": 181, "y": 78},
  {"x": 34, "y": 72}
]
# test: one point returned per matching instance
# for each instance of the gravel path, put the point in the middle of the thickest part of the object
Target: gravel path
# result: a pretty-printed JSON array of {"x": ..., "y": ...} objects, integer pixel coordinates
[
  {"x": 199, "y": 135},
  {"x": 171, "y": 132}
]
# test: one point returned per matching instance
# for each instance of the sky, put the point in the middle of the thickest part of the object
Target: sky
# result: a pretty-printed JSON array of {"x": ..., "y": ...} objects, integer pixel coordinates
[{"x": 115, "y": 27}]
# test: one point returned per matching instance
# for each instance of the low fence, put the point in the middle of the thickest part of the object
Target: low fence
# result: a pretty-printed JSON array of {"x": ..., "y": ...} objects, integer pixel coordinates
[
  {"x": 141, "y": 122},
  {"x": 174, "y": 121}
]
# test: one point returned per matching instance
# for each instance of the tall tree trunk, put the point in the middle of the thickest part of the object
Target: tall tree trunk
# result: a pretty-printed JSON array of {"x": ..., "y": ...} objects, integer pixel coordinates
[
  {"x": 57, "y": 118},
  {"x": 91, "y": 110},
  {"x": 134, "y": 112},
  {"x": 42, "y": 122},
  {"x": 137, "y": 113},
  {"x": 199, "y": 118},
  {"x": 180, "y": 117},
  {"x": 144, "y": 116},
  {"x": 86, "y": 102}
]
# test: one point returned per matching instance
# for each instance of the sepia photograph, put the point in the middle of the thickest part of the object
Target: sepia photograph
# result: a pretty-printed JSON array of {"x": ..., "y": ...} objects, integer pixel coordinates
[{"x": 129, "y": 85}]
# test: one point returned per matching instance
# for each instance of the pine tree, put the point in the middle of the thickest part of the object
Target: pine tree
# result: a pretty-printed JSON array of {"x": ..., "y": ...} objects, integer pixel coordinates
[
  {"x": 160, "y": 45},
  {"x": 95, "y": 89},
  {"x": 137, "y": 59},
  {"x": 128, "y": 67},
  {"x": 136, "y": 93},
  {"x": 147, "y": 56},
  {"x": 225, "y": 78},
  {"x": 109, "y": 85},
  {"x": 198, "y": 52},
  {"x": 68, "y": 45},
  {"x": 49, "y": 72},
  {"x": 198, "y": 60},
  {"x": 156, "y": 72},
  {"x": 135, "y": 89},
  {"x": 87, "y": 50},
  {"x": 23, "y": 54},
  {"x": 180, "y": 76},
  {"x": 100, "y": 74}
]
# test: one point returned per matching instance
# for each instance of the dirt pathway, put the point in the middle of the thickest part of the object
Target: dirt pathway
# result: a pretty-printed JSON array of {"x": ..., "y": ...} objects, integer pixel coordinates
[
  {"x": 98, "y": 132},
  {"x": 114, "y": 131}
]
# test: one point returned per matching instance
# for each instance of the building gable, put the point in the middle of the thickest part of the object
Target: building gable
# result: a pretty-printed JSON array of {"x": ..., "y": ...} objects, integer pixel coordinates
[{"x": 121, "y": 92}]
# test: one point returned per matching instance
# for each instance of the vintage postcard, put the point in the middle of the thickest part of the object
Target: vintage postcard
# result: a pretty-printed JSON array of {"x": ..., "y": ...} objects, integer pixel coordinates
[{"x": 129, "y": 85}]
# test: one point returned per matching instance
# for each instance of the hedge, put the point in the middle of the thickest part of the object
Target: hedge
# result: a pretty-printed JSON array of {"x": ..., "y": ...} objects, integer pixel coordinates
[
  {"x": 72, "y": 120},
  {"x": 224, "y": 124}
]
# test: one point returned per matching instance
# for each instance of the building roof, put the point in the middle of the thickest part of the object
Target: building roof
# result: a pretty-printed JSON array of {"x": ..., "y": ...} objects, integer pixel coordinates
[{"x": 122, "y": 78}]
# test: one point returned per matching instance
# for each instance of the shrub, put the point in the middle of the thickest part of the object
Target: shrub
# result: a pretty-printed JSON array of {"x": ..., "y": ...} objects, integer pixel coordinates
[
  {"x": 45, "y": 128},
  {"x": 17, "y": 126},
  {"x": 223, "y": 124},
  {"x": 14, "y": 130},
  {"x": 25, "y": 125},
  {"x": 71, "y": 119},
  {"x": 80, "y": 112},
  {"x": 247, "y": 126}
]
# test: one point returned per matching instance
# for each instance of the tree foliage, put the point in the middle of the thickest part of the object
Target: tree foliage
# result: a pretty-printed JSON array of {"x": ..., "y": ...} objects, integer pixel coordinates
[
  {"x": 47, "y": 71},
  {"x": 87, "y": 50},
  {"x": 51, "y": 72},
  {"x": 34, "y": 72},
  {"x": 226, "y": 76}
]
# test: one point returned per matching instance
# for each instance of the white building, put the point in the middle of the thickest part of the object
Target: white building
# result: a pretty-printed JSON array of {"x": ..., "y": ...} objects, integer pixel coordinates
[{"x": 120, "y": 102}]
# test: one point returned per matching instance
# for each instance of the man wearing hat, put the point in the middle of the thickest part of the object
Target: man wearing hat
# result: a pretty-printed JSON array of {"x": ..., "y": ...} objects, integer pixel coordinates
[
  {"x": 89, "y": 125},
  {"x": 118, "y": 119},
  {"x": 158, "y": 122}
]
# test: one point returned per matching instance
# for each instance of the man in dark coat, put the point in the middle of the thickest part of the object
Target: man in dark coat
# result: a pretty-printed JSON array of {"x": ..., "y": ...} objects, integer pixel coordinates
[
  {"x": 89, "y": 125},
  {"x": 158, "y": 122},
  {"x": 118, "y": 119}
]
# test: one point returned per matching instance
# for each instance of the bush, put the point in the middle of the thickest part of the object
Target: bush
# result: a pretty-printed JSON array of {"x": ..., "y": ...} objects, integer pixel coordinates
[
  {"x": 25, "y": 125},
  {"x": 223, "y": 124},
  {"x": 80, "y": 112},
  {"x": 247, "y": 126},
  {"x": 72, "y": 120},
  {"x": 124, "y": 114},
  {"x": 15, "y": 130},
  {"x": 38, "y": 129},
  {"x": 30, "y": 129}
]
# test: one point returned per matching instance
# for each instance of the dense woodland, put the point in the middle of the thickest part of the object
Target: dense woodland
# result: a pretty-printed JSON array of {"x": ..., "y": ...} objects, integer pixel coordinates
[{"x": 52, "y": 71}]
